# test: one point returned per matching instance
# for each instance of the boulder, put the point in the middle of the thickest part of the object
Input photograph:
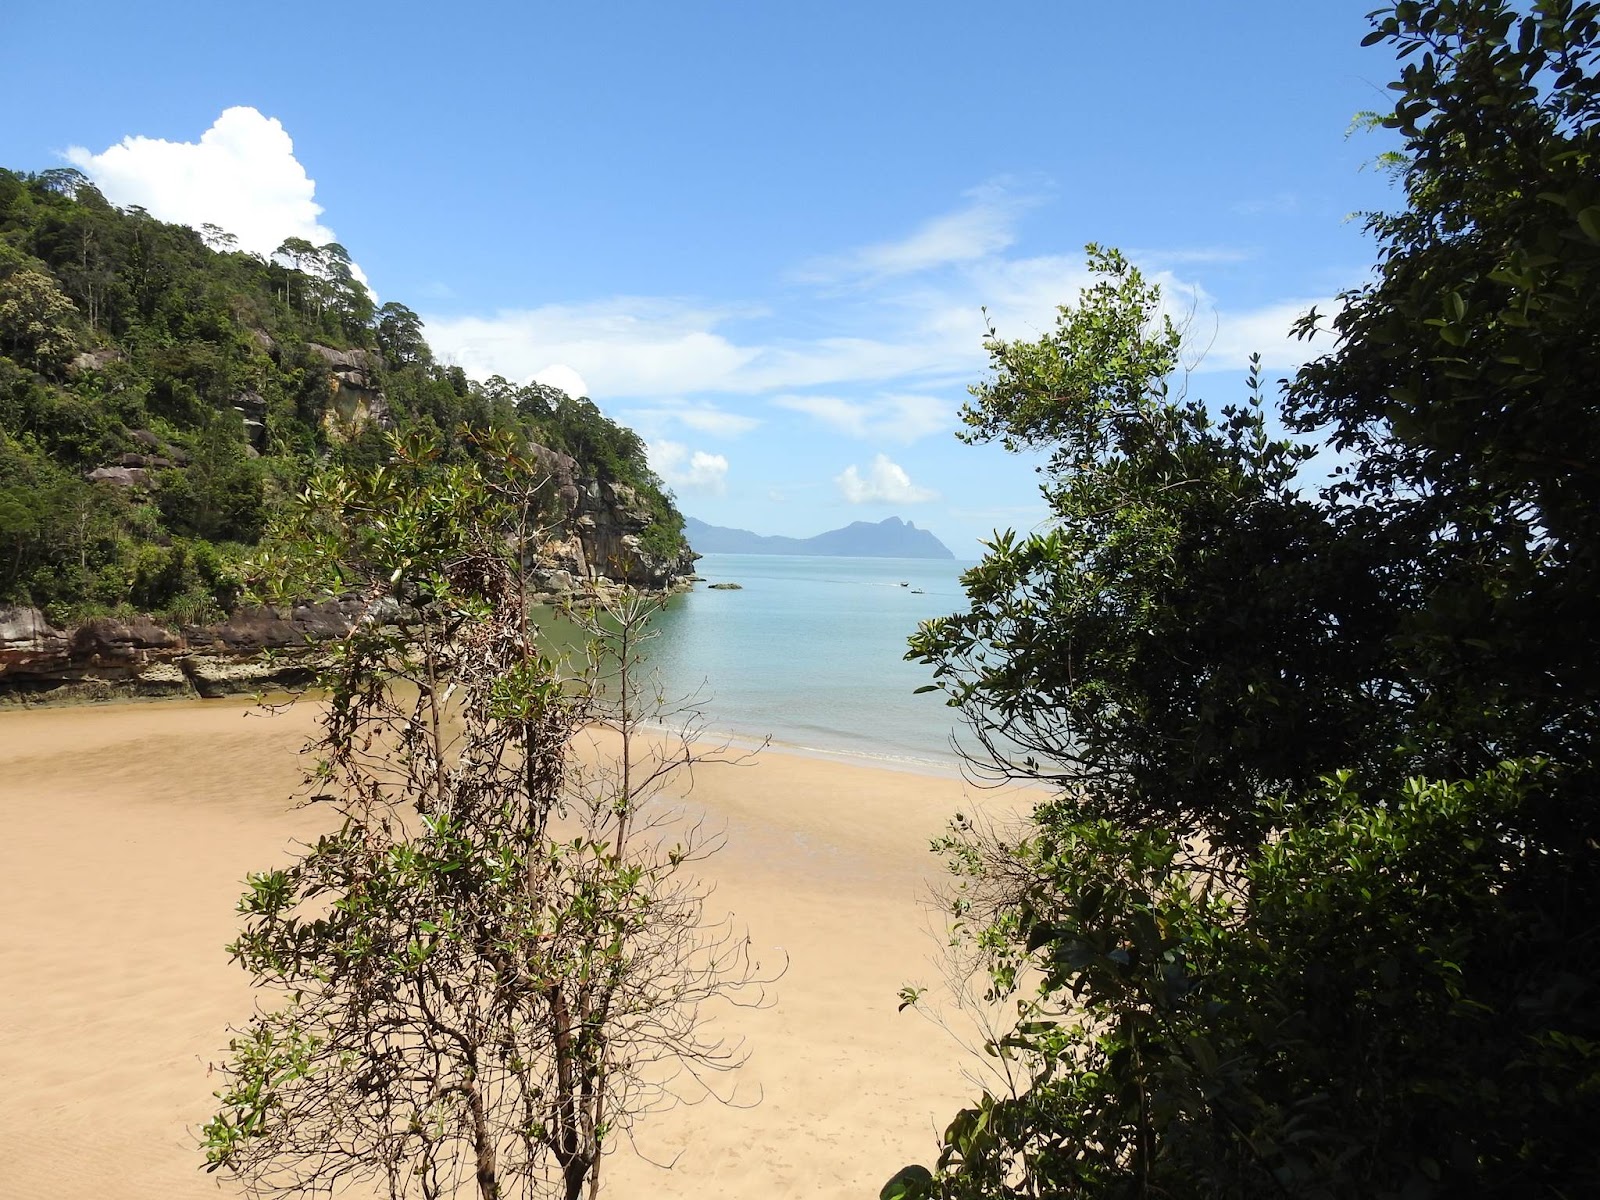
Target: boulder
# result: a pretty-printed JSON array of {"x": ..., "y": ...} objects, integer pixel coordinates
[
  {"x": 252, "y": 410},
  {"x": 122, "y": 477},
  {"x": 95, "y": 360},
  {"x": 106, "y": 640},
  {"x": 28, "y": 641}
]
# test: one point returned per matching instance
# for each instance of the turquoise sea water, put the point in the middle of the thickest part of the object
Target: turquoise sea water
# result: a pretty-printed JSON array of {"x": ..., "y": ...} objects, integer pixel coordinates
[{"x": 810, "y": 652}]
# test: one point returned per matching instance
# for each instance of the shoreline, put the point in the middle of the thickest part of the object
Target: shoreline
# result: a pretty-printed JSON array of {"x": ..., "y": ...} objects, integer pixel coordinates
[
  {"x": 132, "y": 826},
  {"x": 942, "y": 767}
]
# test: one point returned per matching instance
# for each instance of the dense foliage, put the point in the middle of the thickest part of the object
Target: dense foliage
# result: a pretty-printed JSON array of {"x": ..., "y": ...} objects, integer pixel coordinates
[
  {"x": 210, "y": 374},
  {"x": 1312, "y": 913}
]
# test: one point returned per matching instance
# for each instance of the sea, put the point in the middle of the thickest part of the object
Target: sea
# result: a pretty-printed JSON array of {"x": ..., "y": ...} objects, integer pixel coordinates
[{"x": 810, "y": 652}]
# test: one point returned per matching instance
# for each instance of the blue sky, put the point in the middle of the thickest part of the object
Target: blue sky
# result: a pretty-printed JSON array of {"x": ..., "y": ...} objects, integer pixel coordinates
[{"x": 759, "y": 233}]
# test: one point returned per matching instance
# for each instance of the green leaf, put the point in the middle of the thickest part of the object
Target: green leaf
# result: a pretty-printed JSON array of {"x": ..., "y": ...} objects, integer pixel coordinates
[{"x": 908, "y": 1183}]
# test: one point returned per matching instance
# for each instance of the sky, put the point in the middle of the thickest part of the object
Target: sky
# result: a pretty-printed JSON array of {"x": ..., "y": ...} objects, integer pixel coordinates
[{"x": 765, "y": 235}]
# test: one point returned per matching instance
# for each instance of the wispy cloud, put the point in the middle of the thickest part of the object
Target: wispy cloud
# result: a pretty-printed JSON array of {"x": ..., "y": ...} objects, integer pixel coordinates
[
  {"x": 897, "y": 417},
  {"x": 984, "y": 227},
  {"x": 1224, "y": 340},
  {"x": 1191, "y": 256},
  {"x": 1276, "y": 202},
  {"x": 700, "y": 416},
  {"x": 909, "y": 327}
]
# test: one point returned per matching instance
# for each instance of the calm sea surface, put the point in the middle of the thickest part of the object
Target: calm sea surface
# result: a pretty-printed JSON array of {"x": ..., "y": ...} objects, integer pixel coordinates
[{"x": 810, "y": 652}]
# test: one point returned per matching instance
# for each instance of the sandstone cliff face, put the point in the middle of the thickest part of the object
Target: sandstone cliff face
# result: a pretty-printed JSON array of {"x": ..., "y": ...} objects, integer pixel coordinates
[
  {"x": 354, "y": 398},
  {"x": 106, "y": 657},
  {"x": 598, "y": 535}
]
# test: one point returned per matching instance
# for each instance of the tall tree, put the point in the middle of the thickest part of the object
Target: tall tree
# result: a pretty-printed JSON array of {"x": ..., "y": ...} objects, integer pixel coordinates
[{"x": 1312, "y": 912}]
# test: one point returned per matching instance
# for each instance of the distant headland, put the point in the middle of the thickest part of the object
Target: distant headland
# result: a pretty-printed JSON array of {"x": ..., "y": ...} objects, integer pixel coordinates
[{"x": 889, "y": 538}]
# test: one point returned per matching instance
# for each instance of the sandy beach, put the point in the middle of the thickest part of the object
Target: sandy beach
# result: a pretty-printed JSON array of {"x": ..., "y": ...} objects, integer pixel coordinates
[{"x": 129, "y": 829}]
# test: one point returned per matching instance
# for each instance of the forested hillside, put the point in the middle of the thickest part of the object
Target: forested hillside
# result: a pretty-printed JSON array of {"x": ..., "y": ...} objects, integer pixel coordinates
[{"x": 161, "y": 391}]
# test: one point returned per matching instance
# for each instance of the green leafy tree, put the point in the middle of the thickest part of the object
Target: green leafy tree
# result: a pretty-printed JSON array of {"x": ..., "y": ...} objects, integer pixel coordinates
[
  {"x": 36, "y": 322},
  {"x": 1311, "y": 914},
  {"x": 400, "y": 335},
  {"x": 480, "y": 971}
]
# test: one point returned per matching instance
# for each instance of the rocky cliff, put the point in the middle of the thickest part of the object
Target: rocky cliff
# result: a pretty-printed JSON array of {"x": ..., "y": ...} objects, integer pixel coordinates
[
  {"x": 257, "y": 649},
  {"x": 354, "y": 398},
  {"x": 596, "y": 543},
  {"x": 598, "y": 535}
]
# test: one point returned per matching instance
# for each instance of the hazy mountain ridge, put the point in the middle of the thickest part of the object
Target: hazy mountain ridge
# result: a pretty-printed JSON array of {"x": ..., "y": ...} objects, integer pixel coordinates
[{"x": 889, "y": 538}]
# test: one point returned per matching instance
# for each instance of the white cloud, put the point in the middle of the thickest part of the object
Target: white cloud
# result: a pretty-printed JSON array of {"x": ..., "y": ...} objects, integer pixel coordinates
[
  {"x": 904, "y": 335},
  {"x": 1277, "y": 202},
  {"x": 686, "y": 471},
  {"x": 559, "y": 375},
  {"x": 900, "y": 417},
  {"x": 1223, "y": 341},
  {"x": 885, "y": 483},
  {"x": 700, "y": 416},
  {"x": 627, "y": 346},
  {"x": 980, "y": 230},
  {"x": 241, "y": 175},
  {"x": 715, "y": 421},
  {"x": 663, "y": 349}
]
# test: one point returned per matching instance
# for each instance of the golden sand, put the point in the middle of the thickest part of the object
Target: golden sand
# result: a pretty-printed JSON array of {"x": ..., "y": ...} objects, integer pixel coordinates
[{"x": 127, "y": 831}]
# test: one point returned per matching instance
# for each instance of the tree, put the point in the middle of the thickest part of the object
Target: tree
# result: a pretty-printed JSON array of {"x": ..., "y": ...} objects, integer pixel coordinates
[
  {"x": 1311, "y": 914},
  {"x": 36, "y": 322},
  {"x": 1177, "y": 643},
  {"x": 485, "y": 969},
  {"x": 400, "y": 335},
  {"x": 1464, "y": 389}
]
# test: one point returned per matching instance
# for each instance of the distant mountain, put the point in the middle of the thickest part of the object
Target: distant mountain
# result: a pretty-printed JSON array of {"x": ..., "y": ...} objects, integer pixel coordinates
[{"x": 889, "y": 538}]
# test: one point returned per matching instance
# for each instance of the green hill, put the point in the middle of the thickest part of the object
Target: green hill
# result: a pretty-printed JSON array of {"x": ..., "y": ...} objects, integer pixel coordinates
[{"x": 161, "y": 391}]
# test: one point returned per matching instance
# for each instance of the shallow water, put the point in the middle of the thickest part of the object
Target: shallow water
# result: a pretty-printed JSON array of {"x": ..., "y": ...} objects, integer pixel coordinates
[{"x": 811, "y": 652}]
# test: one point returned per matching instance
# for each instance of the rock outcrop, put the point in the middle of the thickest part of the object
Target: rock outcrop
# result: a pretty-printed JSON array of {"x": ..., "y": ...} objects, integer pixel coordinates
[
  {"x": 596, "y": 543},
  {"x": 599, "y": 534},
  {"x": 257, "y": 649},
  {"x": 355, "y": 400}
]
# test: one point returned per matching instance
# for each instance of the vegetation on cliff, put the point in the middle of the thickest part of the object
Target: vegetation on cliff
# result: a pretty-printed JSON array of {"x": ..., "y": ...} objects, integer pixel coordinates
[{"x": 162, "y": 393}]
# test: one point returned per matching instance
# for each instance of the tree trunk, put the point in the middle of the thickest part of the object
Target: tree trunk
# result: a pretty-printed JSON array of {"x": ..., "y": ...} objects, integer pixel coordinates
[{"x": 483, "y": 1145}]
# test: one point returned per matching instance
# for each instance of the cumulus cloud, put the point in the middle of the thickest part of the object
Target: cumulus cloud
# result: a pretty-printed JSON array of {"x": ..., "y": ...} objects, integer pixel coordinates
[
  {"x": 241, "y": 175},
  {"x": 900, "y": 416},
  {"x": 626, "y": 346},
  {"x": 559, "y": 375},
  {"x": 689, "y": 471},
  {"x": 885, "y": 482}
]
